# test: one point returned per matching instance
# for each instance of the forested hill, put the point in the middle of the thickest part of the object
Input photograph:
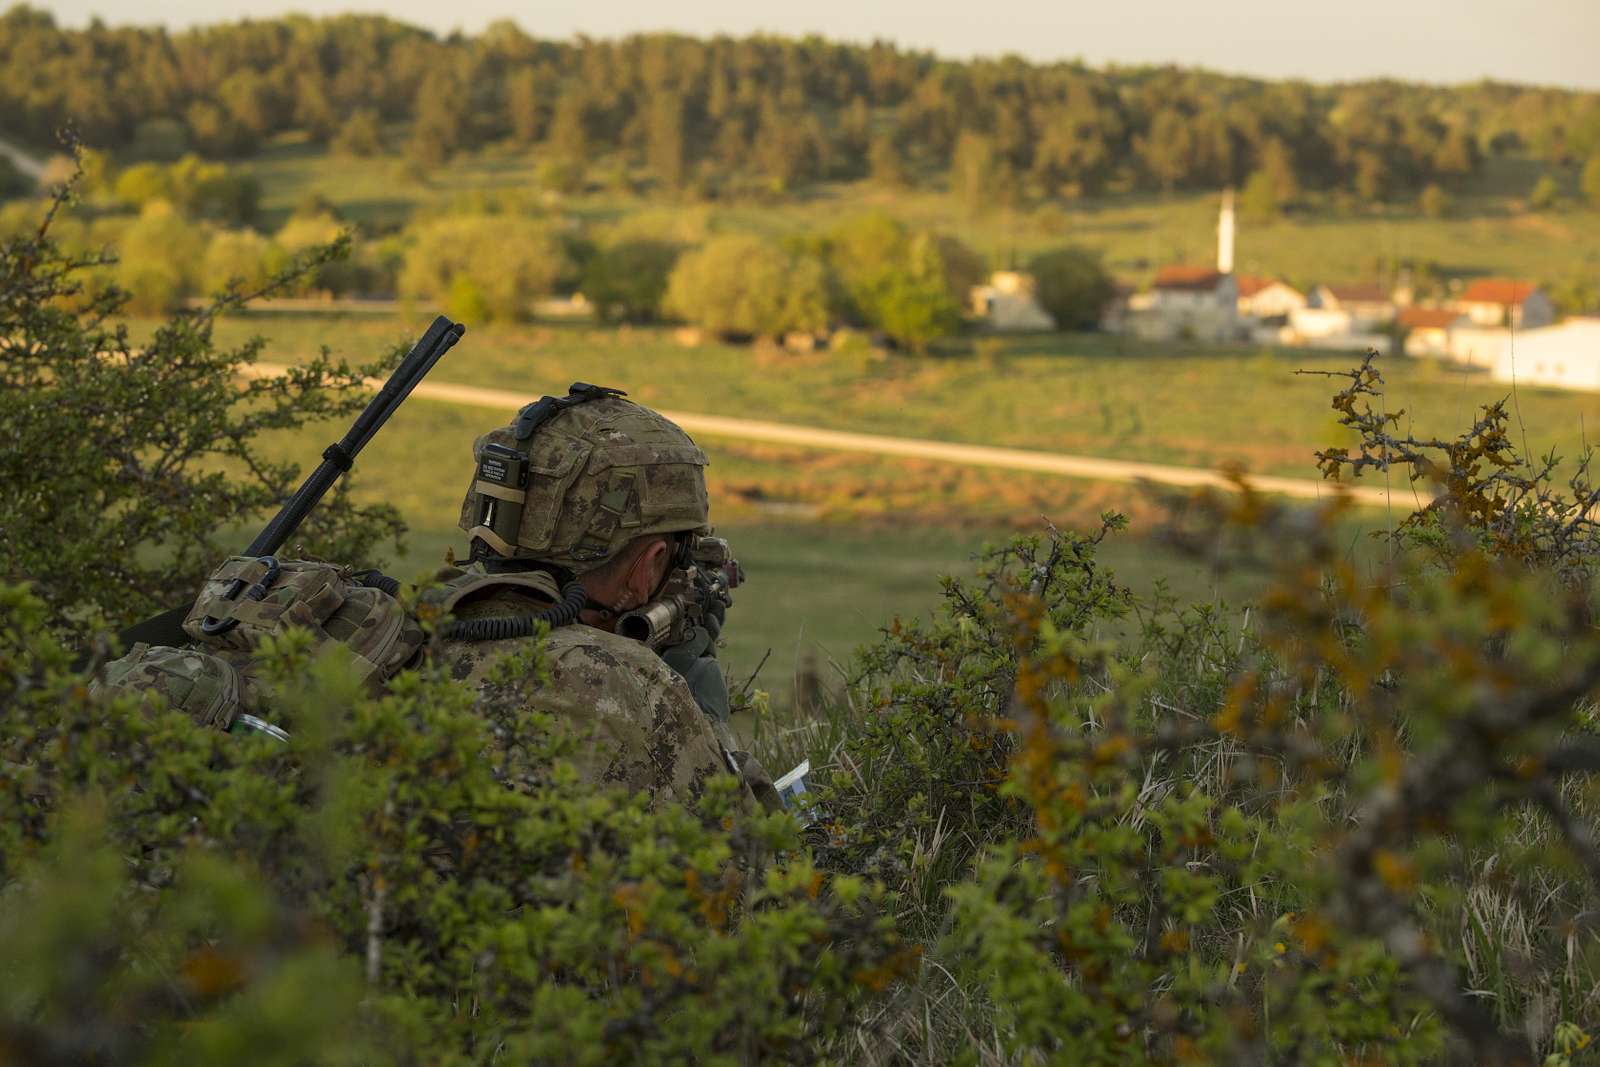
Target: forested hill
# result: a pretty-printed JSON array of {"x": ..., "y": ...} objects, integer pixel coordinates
[{"x": 784, "y": 112}]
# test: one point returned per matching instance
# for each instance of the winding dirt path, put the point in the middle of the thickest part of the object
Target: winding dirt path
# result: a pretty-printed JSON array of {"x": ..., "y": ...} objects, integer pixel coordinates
[
  {"x": 27, "y": 164},
  {"x": 1090, "y": 467}
]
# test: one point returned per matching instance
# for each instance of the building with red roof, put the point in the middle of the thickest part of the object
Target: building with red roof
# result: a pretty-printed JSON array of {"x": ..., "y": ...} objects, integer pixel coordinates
[
  {"x": 1428, "y": 330},
  {"x": 1513, "y": 302}
]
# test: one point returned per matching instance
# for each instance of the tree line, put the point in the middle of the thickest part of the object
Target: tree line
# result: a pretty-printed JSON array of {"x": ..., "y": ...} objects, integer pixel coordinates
[
  {"x": 189, "y": 229},
  {"x": 726, "y": 115}
]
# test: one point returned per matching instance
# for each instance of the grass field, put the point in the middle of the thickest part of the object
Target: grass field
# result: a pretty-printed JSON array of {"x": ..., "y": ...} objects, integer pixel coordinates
[
  {"x": 1086, "y": 394},
  {"x": 1489, "y": 232}
]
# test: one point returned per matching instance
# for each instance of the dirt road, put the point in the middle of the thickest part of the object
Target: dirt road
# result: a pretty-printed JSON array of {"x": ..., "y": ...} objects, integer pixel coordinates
[
  {"x": 27, "y": 164},
  {"x": 1089, "y": 467}
]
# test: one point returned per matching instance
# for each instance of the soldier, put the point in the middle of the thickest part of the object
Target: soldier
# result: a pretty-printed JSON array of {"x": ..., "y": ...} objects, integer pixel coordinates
[{"x": 578, "y": 512}]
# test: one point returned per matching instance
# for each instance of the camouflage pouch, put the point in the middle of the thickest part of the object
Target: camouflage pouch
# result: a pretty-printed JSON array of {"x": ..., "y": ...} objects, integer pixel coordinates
[
  {"x": 247, "y": 600},
  {"x": 205, "y": 687}
]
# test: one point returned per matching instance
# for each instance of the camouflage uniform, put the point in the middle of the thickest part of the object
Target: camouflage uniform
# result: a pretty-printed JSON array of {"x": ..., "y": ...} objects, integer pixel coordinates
[
  {"x": 639, "y": 726},
  {"x": 601, "y": 472}
]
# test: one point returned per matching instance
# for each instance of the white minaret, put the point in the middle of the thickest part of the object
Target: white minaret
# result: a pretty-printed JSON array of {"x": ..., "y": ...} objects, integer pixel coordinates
[{"x": 1225, "y": 234}]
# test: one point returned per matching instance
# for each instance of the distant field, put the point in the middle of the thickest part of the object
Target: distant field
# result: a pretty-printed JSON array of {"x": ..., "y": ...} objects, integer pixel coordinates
[
  {"x": 1489, "y": 232},
  {"x": 1085, "y": 394}
]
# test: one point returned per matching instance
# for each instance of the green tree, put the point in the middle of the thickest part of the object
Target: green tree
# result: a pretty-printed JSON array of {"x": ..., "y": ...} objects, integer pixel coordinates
[
  {"x": 162, "y": 140},
  {"x": 627, "y": 280},
  {"x": 441, "y": 122},
  {"x": 509, "y": 261},
  {"x": 160, "y": 257},
  {"x": 1073, "y": 286},
  {"x": 1258, "y": 200},
  {"x": 913, "y": 304},
  {"x": 897, "y": 281},
  {"x": 360, "y": 135},
  {"x": 151, "y": 441},
  {"x": 569, "y": 130},
  {"x": 1434, "y": 202},
  {"x": 524, "y": 109},
  {"x": 667, "y": 150},
  {"x": 980, "y": 179},
  {"x": 745, "y": 285},
  {"x": 243, "y": 257},
  {"x": 885, "y": 162},
  {"x": 1589, "y": 181},
  {"x": 1546, "y": 193}
]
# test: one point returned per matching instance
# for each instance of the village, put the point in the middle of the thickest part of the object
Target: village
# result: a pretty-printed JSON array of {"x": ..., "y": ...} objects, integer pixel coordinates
[{"x": 1504, "y": 327}]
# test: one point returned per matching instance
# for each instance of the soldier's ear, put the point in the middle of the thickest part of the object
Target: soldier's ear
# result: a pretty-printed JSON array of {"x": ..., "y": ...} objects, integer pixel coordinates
[{"x": 650, "y": 568}]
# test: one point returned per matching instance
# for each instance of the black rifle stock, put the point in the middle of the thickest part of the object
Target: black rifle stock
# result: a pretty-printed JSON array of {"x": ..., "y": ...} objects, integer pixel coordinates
[{"x": 337, "y": 458}]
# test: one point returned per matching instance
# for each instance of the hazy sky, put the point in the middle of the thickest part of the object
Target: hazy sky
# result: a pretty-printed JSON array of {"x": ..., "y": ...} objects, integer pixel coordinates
[{"x": 1553, "y": 42}]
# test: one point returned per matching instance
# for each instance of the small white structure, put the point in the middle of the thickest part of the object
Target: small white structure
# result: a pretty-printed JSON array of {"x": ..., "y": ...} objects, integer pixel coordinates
[
  {"x": 1009, "y": 303},
  {"x": 1267, "y": 298},
  {"x": 1562, "y": 357},
  {"x": 1428, "y": 330},
  {"x": 1512, "y": 302},
  {"x": 1337, "y": 328}
]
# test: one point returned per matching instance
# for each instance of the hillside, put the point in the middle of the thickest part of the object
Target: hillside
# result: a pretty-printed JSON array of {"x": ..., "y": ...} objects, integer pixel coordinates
[{"x": 761, "y": 116}]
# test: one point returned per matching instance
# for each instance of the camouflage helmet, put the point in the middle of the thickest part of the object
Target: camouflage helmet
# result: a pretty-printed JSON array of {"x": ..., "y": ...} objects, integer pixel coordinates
[{"x": 573, "y": 479}]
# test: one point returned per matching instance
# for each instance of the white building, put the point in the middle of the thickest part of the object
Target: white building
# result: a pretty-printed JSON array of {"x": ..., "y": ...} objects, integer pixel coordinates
[
  {"x": 1367, "y": 304},
  {"x": 1009, "y": 304},
  {"x": 1187, "y": 303},
  {"x": 1267, "y": 298},
  {"x": 1477, "y": 346},
  {"x": 1562, "y": 357}
]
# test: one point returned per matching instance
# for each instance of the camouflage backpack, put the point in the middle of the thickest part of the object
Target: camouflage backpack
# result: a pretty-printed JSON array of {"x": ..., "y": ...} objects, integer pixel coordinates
[{"x": 247, "y": 600}]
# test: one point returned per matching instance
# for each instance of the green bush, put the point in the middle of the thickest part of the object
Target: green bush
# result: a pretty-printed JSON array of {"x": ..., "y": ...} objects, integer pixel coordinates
[
  {"x": 241, "y": 256},
  {"x": 161, "y": 255},
  {"x": 627, "y": 281},
  {"x": 899, "y": 282},
  {"x": 201, "y": 189},
  {"x": 1546, "y": 193},
  {"x": 176, "y": 894},
  {"x": 1073, "y": 286},
  {"x": 510, "y": 260},
  {"x": 360, "y": 135},
  {"x": 121, "y": 456},
  {"x": 741, "y": 284},
  {"x": 1434, "y": 202}
]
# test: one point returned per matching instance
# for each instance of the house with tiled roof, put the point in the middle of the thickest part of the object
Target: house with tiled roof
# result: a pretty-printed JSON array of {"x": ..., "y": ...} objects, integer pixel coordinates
[
  {"x": 1427, "y": 330},
  {"x": 1187, "y": 302},
  {"x": 1514, "y": 302},
  {"x": 1366, "y": 303}
]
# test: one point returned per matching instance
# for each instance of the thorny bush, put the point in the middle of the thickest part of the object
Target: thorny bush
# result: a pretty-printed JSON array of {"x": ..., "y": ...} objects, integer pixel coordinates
[
  {"x": 127, "y": 463},
  {"x": 414, "y": 878}
]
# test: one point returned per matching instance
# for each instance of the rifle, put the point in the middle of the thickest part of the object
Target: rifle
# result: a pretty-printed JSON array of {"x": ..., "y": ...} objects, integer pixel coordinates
[
  {"x": 706, "y": 575},
  {"x": 337, "y": 458}
]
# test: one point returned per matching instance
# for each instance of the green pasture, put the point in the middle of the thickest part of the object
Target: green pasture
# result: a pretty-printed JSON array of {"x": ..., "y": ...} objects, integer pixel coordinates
[
  {"x": 1489, "y": 230},
  {"x": 1084, "y": 394}
]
